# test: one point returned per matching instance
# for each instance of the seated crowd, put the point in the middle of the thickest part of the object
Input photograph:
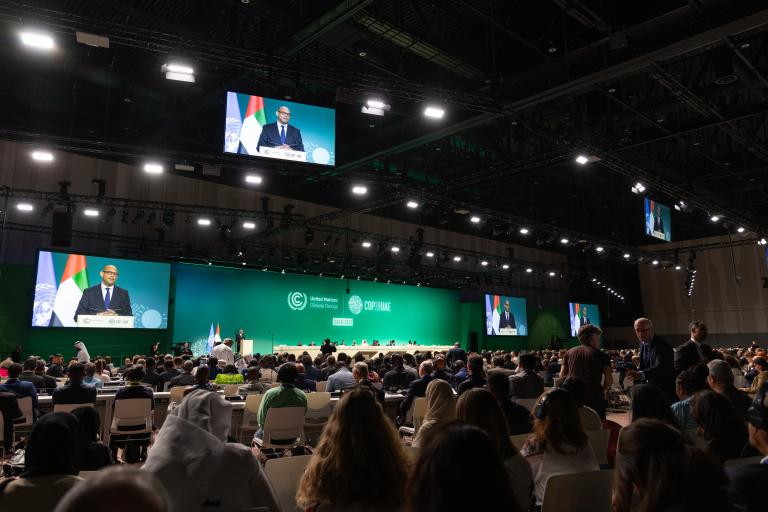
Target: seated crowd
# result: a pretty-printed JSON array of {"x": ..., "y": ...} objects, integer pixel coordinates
[{"x": 669, "y": 456}]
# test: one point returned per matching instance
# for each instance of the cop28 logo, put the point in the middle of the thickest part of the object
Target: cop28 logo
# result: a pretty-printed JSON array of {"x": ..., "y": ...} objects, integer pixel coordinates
[
  {"x": 297, "y": 300},
  {"x": 355, "y": 304}
]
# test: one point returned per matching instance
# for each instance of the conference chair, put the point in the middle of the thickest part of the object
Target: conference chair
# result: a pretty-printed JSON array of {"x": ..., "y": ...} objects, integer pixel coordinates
[
  {"x": 576, "y": 492},
  {"x": 250, "y": 414},
  {"x": 177, "y": 393},
  {"x": 320, "y": 385},
  {"x": 131, "y": 428},
  {"x": 738, "y": 462},
  {"x": 599, "y": 441},
  {"x": 284, "y": 475},
  {"x": 27, "y": 419},
  {"x": 69, "y": 407},
  {"x": 318, "y": 408},
  {"x": 519, "y": 440},
  {"x": 283, "y": 428},
  {"x": 231, "y": 389},
  {"x": 418, "y": 410}
]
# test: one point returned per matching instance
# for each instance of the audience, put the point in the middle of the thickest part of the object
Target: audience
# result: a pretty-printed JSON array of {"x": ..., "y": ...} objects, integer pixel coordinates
[
  {"x": 476, "y": 377},
  {"x": 285, "y": 395},
  {"x": 302, "y": 382},
  {"x": 559, "y": 443},
  {"x": 359, "y": 462},
  {"x": 51, "y": 464},
  {"x": 360, "y": 373},
  {"x": 109, "y": 485},
  {"x": 75, "y": 392},
  {"x": 185, "y": 378},
  {"x": 440, "y": 410},
  {"x": 668, "y": 472},
  {"x": 90, "y": 377},
  {"x": 526, "y": 383},
  {"x": 480, "y": 408},
  {"x": 481, "y": 482},
  {"x": 749, "y": 481},
  {"x": 720, "y": 380},
  {"x": 93, "y": 455},
  {"x": 192, "y": 459},
  {"x": 719, "y": 424},
  {"x": 649, "y": 401},
  {"x": 398, "y": 377},
  {"x": 29, "y": 375},
  {"x": 416, "y": 389},
  {"x": 253, "y": 385},
  {"x": 761, "y": 375},
  {"x": 20, "y": 388},
  {"x": 202, "y": 380},
  {"x": 590, "y": 420},
  {"x": 590, "y": 365},
  {"x": 687, "y": 384},
  {"x": 518, "y": 417}
]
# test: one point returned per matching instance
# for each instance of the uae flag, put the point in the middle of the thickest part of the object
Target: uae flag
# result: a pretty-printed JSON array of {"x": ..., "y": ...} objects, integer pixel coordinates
[
  {"x": 496, "y": 313},
  {"x": 73, "y": 282},
  {"x": 217, "y": 336},
  {"x": 255, "y": 118}
]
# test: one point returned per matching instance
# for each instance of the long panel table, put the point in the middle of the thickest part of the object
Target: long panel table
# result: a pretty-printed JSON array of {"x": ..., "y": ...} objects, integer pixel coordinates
[{"x": 366, "y": 350}]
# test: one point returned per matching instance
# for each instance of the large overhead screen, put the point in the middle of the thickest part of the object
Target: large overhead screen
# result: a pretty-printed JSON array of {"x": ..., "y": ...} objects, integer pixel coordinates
[
  {"x": 658, "y": 220},
  {"x": 279, "y": 129},
  {"x": 582, "y": 314},
  {"x": 78, "y": 290},
  {"x": 505, "y": 316}
]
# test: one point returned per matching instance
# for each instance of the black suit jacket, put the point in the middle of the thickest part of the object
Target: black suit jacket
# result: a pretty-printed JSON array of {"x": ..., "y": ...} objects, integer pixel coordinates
[
  {"x": 417, "y": 388},
  {"x": 657, "y": 365},
  {"x": 455, "y": 354},
  {"x": 686, "y": 355},
  {"x": 504, "y": 323},
  {"x": 74, "y": 395},
  {"x": 92, "y": 302},
  {"x": 270, "y": 137}
]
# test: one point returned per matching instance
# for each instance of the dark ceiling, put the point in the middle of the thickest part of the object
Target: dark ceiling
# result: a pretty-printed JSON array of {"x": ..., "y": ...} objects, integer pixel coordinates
[{"x": 670, "y": 93}]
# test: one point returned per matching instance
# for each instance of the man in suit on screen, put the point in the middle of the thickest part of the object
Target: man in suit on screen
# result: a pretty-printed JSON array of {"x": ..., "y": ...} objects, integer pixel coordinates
[
  {"x": 280, "y": 134},
  {"x": 105, "y": 298},
  {"x": 507, "y": 319}
]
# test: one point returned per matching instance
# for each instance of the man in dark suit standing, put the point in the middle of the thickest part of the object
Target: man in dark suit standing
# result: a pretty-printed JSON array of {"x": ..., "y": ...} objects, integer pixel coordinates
[
  {"x": 507, "y": 320},
  {"x": 656, "y": 359},
  {"x": 239, "y": 337},
  {"x": 417, "y": 388},
  {"x": 105, "y": 298},
  {"x": 693, "y": 351},
  {"x": 455, "y": 354},
  {"x": 280, "y": 134}
]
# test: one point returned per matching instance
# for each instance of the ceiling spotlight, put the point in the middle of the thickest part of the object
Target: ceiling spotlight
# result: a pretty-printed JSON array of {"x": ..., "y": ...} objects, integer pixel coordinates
[
  {"x": 457, "y": 259},
  {"x": 359, "y": 190},
  {"x": 412, "y": 204},
  {"x": 253, "y": 179},
  {"x": 395, "y": 249},
  {"x": 762, "y": 241},
  {"x": 505, "y": 266},
  {"x": 528, "y": 270},
  {"x": 582, "y": 159},
  {"x": 638, "y": 188},
  {"x": 599, "y": 248},
  {"x": 551, "y": 274},
  {"x": 740, "y": 229},
  {"x": 91, "y": 212},
  {"x": 627, "y": 255},
  {"x": 524, "y": 231},
  {"x": 203, "y": 222},
  {"x": 37, "y": 40},
  {"x": 655, "y": 262},
  {"x": 430, "y": 254},
  {"x": 376, "y": 103},
  {"x": 24, "y": 207},
  {"x": 677, "y": 267},
  {"x": 594, "y": 279},
  {"x": 42, "y": 156},
  {"x": 474, "y": 219},
  {"x": 714, "y": 218},
  {"x": 249, "y": 225},
  {"x": 178, "y": 72},
  {"x": 484, "y": 263},
  {"x": 564, "y": 241},
  {"x": 366, "y": 244},
  {"x": 434, "y": 112},
  {"x": 153, "y": 168}
]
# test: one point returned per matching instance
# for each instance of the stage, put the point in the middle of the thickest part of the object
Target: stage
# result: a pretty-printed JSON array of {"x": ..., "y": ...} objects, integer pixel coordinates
[{"x": 367, "y": 350}]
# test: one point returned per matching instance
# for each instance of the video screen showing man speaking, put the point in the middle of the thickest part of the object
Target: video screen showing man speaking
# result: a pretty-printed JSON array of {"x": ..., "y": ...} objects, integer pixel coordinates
[{"x": 78, "y": 290}]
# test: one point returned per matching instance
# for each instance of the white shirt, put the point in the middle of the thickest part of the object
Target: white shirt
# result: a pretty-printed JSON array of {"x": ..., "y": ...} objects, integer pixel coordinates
[
  {"x": 223, "y": 353},
  {"x": 104, "y": 292}
]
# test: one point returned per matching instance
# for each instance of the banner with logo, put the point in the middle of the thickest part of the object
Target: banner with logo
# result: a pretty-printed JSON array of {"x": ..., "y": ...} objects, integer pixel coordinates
[{"x": 292, "y": 309}]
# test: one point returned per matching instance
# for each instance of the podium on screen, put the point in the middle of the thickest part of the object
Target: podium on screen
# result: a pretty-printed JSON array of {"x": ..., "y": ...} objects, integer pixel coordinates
[
  {"x": 105, "y": 321},
  {"x": 283, "y": 154}
]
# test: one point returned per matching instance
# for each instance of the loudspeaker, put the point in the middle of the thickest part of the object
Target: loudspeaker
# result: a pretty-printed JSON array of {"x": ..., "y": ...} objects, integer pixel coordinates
[
  {"x": 61, "y": 236},
  {"x": 473, "y": 341}
]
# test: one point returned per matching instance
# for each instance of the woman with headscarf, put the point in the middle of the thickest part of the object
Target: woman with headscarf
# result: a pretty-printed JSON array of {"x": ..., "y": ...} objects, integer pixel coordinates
[
  {"x": 441, "y": 406},
  {"x": 196, "y": 465},
  {"x": 51, "y": 465}
]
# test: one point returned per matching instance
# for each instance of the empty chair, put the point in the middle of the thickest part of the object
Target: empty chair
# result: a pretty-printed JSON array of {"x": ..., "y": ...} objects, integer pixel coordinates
[
  {"x": 27, "y": 419},
  {"x": 416, "y": 415},
  {"x": 320, "y": 385},
  {"x": 576, "y": 492},
  {"x": 318, "y": 407},
  {"x": 599, "y": 441},
  {"x": 132, "y": 416},
  {"x": 69, "y": 407},
  {"x": 285, "y": 474},
  {"x": 283, "y": 428},
  {"x": 231, "y": 389},
  {"x": 177, "y": 393},
  {"x": 250, "y": 414}
]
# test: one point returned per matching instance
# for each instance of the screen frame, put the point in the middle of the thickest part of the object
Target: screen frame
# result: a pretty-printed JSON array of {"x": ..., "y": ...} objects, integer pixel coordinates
[
  {"x": 524, "y": 299},
  {"x": 96, "y": 329},
  {"x": 279, "y": 160}
]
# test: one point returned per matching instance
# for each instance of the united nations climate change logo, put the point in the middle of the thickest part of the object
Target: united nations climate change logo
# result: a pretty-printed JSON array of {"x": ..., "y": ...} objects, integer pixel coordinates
[
  {"x": 355, "y": 304},
  {"x": 297, "y": 300}
]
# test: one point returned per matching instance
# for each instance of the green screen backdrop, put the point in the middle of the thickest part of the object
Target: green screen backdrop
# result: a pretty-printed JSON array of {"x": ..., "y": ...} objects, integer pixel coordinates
[{"x": 300, "y": 309}]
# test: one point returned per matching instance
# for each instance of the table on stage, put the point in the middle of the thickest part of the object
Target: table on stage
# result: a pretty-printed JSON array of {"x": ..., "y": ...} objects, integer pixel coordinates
[
  {"x": 366, "y": 350},
  {"x": 104, "y": 403}
]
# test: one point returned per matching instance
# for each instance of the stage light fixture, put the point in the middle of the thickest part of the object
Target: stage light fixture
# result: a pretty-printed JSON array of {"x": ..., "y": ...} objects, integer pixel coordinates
[
  {"x": 638, "y": 188},
  {"x": 740, "y": 229},
  {"x": 655, "y": 262},
  {"x": 153, "y": 168},
  {"x": 37, "y": 40},
  {"x": 253, "y": 179},
  {"x": 249, "y": 225},
  {"x": 484, "y": 263},
  {"x": 457, "y": 259},
  {"x": 627, "y": 255},
  {"x": 582, "y": 159},
  {"x": 678, "y": 267},
  {"x": 474, "y": 219},
  {"x": 25, "y": 207},
  {"x": 178, "y": 72},
  {"x": 203, "y": 222},
  {"x": 91, "y": 212},
  {"x": 412, "y": 204},
  {"x": 376, "y": 103},
  {"x": 434, "y": 112},
  {"x": 714, "y": 218},
  {"x": 599, "y": 248},
  {"x": 366, "y": 244},
  {"x": 430, "y": 254},
  {"x": 359, "y": 190},
  {"x": 529, "y": 270},
  {"x": 564, "y": 241},
  {"x": 551, "y": 274},
  {"x": 762, "y": 241},
  {"x": 524, "y": 231},
  {"x": 42, "y": 156},
  {"x": 395, "y": 249},
  {"x": 505, "y": 266}
]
